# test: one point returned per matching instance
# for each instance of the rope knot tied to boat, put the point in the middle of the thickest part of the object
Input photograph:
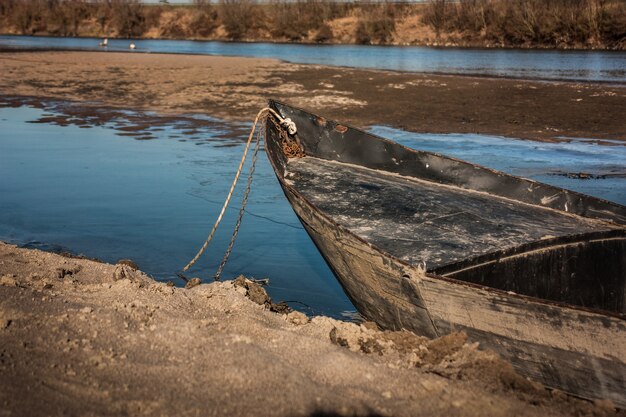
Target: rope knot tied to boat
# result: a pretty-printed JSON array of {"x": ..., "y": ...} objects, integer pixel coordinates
[{"x": 290, "y": 126}]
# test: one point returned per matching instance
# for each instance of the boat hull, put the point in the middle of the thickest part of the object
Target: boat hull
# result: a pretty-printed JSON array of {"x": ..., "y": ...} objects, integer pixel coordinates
[
  {"x": 574, "y": 349},
  {"x": 579, "y": 352}
]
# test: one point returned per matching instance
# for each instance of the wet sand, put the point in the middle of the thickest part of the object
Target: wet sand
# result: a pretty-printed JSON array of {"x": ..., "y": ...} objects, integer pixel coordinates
[
  {"x": 78, "y": 337},
  {"x": 236, "y": 88}
]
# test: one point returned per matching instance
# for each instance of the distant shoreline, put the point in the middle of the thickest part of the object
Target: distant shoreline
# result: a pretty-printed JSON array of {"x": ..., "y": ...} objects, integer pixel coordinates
[
  {"x": 402, "y": 71},
  {"x": 435, "y": 45}
]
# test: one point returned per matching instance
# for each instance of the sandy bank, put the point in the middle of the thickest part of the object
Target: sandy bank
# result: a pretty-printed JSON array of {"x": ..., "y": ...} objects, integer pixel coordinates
[
  {"x": 236, "y": 88},
  {"x": 79, "y": 337}
]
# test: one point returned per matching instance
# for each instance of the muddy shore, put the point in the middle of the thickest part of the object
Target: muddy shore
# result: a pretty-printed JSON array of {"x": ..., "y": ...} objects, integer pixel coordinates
[
  {"x": 78, "y": 337},
  {"x": 236, "y": 88}
]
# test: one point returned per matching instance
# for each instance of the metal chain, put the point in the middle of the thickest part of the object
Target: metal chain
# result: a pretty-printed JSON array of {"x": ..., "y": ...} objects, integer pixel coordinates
[
  {"x": 262, "y": 116},
  {"x": 244, "y": 201}
]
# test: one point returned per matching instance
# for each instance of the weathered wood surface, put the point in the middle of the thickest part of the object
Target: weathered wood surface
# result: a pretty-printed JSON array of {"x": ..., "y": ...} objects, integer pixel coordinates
[
  {"x": 370, "y": 278},
  {"x": 420, "y": 221},
  {"x": 577, "y": 350},
  {"x": 580, "y": 352},
  {"x": 327, "y": 139}
]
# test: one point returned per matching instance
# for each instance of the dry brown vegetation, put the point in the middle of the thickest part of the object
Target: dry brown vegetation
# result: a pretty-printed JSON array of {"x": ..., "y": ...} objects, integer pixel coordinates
[
  {"x": 552, "y": 23},
  {"x": 496, "y": 23}
]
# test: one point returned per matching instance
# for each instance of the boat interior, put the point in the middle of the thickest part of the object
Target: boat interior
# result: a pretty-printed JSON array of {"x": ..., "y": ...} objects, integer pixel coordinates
[{"x": 460, "y": 220}]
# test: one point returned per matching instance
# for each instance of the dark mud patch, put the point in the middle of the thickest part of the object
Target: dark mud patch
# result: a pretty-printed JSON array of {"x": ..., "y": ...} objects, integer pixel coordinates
[
  {"x": 135, "y": 124},
  {"x": 56, "y": 249},
  {"x": 255, "y": 292},
  {"x": 590, "y": 176},
  {"x": 431, "y": 103}
]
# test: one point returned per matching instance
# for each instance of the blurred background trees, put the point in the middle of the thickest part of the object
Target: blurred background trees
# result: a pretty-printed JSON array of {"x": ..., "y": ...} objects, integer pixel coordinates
[{"x": 511, "y": 23}]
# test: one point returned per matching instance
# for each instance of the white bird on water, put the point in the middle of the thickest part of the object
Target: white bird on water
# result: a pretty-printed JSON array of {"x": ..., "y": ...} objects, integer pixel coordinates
[
  {"x": 104, "y": 42},
  {"x": 132, "y": 46}
]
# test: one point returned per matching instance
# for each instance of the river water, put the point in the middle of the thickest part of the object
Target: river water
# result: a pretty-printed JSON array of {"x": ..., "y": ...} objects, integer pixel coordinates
[
  {"x": 124, "y": 184},
  {"x": 603, "y": 66},
  {"x": 88, "y": 188}
]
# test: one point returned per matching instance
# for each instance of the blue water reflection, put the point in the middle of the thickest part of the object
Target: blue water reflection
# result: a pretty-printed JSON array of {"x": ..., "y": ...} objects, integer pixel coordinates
[{"x": 91, "y": 191}]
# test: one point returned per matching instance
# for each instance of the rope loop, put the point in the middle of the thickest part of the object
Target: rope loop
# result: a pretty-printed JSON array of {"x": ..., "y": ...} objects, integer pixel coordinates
[{"x": 263, "y": 114}]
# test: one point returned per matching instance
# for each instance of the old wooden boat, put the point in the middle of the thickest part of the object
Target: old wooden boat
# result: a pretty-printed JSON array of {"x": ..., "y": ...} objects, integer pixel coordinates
[{"x": 432, "y": 244}]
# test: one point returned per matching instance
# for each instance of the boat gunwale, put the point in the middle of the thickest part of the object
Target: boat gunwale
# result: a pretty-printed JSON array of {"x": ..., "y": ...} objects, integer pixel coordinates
[
  {"x": 496, "y": 291},
  {"x": 529, "y": 247},
  {"x": 272, "y": 103}
]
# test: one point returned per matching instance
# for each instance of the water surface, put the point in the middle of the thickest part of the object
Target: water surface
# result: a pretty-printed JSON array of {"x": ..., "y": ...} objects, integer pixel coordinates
[
  {"x": 606, "y": 66},
  {"x": 98, "y": 192},
  {"x": 122, "y": 184}
]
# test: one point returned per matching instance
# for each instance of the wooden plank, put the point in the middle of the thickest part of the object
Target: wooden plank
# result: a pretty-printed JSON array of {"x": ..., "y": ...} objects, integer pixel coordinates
[{"x": 579, "y": 352}]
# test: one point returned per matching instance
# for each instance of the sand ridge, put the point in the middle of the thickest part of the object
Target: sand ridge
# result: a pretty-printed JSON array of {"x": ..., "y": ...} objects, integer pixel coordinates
[{"x": 79, "y": 337}]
